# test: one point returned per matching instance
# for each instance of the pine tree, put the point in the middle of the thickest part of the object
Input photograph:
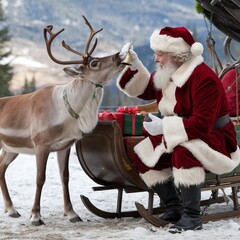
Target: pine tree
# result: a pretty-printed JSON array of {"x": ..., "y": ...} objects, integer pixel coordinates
[
  {"x": 32, "y": 85},
  {"x": 29, "y": 86},
  {"x": 6, "y": 70},
  {"x": 25, "y": 86}
]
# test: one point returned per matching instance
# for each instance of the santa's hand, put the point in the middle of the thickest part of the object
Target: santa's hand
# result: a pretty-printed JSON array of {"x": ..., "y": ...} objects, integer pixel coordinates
[
  {"x": 155, "y": 126},
  {"x": 128, "y": 48}
]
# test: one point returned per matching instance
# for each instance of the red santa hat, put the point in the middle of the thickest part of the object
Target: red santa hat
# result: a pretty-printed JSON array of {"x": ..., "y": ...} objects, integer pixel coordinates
[{"x": 175, "y": 40}]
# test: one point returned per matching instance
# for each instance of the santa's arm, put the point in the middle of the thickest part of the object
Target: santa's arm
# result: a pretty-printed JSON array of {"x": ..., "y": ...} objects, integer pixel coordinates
[
  {"x": 134, "y": 82},
  {"x": 134, "y": 78}
]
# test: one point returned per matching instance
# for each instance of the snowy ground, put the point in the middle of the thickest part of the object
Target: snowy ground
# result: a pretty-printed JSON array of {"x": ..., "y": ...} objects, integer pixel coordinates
[{"x": 21, "y": 182}]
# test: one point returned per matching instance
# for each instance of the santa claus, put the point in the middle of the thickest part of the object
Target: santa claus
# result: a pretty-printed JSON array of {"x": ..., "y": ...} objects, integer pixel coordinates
[{"x": 195, "y": 134}]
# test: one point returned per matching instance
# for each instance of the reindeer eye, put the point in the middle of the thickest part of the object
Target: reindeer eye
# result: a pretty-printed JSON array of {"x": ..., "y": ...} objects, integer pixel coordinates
[{"x": 94, "y": 63}]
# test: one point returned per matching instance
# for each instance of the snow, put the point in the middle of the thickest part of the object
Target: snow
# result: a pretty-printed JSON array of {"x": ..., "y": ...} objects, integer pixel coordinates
[
  {"x": 21, "y": 182},
  {"x": 24, "y": 61}
]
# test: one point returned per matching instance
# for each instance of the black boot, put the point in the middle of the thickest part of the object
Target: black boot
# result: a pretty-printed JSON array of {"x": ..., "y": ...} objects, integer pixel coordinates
[
  {"x": 169, "y": 195},
  {"x": 191, "y": 219}
]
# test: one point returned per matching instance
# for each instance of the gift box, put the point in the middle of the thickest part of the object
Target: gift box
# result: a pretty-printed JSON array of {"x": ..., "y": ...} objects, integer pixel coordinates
[
  {"x": 130, "y": 122},
  {"x": 106, "y": 115}
]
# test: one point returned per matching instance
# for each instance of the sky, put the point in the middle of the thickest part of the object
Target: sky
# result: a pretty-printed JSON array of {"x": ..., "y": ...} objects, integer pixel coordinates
[{"x": 20, "y": 177}]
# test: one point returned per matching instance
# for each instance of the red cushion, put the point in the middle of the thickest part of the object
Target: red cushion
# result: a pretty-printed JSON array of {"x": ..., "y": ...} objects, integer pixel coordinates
[{"x": 229, "y": 85}]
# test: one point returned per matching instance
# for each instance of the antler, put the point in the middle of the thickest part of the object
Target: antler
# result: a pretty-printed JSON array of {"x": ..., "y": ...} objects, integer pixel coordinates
[
  {"x": 92, "y": 34},
  {"x": 85, "y": 55},
  {"x": 48, "y": 41}
]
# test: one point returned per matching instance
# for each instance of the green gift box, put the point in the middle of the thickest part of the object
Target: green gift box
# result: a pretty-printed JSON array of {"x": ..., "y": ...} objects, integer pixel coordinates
[{"x": 132, "y": 124}]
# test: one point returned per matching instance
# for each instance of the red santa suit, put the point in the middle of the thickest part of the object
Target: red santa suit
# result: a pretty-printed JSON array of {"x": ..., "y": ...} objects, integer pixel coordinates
[{"x": 197, "y": 133}]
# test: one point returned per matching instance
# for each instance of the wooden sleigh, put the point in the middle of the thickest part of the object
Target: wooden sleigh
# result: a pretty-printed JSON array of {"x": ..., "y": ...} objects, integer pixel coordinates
[
  {"x": 105, "y": 154},
  {"x": 106, "y": 159}
]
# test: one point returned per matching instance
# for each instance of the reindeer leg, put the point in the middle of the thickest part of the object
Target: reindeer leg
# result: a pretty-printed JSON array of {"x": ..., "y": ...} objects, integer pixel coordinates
[
  {"x": 63, "y": 160},
  {"x": 5, "y": 159},
  {"x": 41, "y": 159}
]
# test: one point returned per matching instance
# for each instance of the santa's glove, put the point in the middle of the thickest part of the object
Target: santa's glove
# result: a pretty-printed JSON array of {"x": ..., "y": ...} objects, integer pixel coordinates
[
  {"x": 128, "y": 48},
  {"x": 155, "y": 126}
]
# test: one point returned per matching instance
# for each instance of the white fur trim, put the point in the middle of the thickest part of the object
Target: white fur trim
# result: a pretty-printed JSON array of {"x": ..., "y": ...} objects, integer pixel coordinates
[
  {"x": 173, "y": 131},
  {"x": 138, "y": 83},
  {"x": 166, "y": 43},
  {"x": 182, "y": 74},
  {"x": 168, "y": 101},
  {"x": 197, "y": 49},
  {"x": 153, "y": 177},
  {"x": 147, "y": 153},
  {"x": 212, "y": 160},
  {"x": 187, "y": 177}
]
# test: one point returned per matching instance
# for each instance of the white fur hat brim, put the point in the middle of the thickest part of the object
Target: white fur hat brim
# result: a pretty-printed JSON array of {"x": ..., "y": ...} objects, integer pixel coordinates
[{"x": 170, "y": 44}]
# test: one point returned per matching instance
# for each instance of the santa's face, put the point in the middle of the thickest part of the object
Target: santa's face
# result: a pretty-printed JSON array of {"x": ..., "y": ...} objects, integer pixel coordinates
[{"x": 161, "y": 58}]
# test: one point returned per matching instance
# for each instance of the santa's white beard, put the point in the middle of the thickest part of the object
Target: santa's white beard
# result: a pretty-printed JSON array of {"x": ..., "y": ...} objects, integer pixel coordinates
[{"x": 163, "y": 75}]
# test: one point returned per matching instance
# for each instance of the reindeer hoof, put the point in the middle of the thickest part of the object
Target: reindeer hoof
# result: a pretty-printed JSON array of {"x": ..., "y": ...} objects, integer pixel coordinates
[
  {"x": 75, "y": 219},
  {"x": 38, "y": 223},
  {"x": 15, "y": 215}
]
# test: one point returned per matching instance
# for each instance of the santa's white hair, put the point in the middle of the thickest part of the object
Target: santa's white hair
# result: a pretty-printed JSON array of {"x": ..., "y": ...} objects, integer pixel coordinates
[{"x": 182, "y": 57}]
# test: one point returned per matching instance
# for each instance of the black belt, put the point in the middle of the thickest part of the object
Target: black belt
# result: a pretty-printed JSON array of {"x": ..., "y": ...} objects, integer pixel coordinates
[{"x": 220, "y": 122}]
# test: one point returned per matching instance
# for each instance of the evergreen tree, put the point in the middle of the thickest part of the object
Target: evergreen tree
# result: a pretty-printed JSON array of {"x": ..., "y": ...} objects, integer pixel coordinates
[
  {"x": 29, "y": 87},
  {"x": 6, "y": 70},
  {"x": 25, "y": 87},
  {"x": 32, "y": 85}
]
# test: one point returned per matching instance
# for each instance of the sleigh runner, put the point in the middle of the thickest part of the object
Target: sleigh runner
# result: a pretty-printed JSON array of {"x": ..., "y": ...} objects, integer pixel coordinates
[{"x": 105, "y": 156}]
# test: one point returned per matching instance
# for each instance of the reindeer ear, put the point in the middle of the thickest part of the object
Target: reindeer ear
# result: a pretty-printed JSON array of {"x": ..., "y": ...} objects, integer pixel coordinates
[{"x": 73, "y": 72}]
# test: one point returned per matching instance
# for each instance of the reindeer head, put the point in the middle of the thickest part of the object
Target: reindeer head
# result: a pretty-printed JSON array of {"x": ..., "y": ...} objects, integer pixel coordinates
[{"x": 94, "y": 69}]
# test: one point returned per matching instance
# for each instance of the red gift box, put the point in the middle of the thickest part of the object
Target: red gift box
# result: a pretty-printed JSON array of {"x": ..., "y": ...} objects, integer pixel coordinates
[
  {"x": 129, "y": 110},
  {"x": 106, "y": 115}
]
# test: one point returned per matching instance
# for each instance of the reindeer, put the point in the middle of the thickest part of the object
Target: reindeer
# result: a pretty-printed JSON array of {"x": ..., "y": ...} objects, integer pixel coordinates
[{"x": 53, "y": 118}]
